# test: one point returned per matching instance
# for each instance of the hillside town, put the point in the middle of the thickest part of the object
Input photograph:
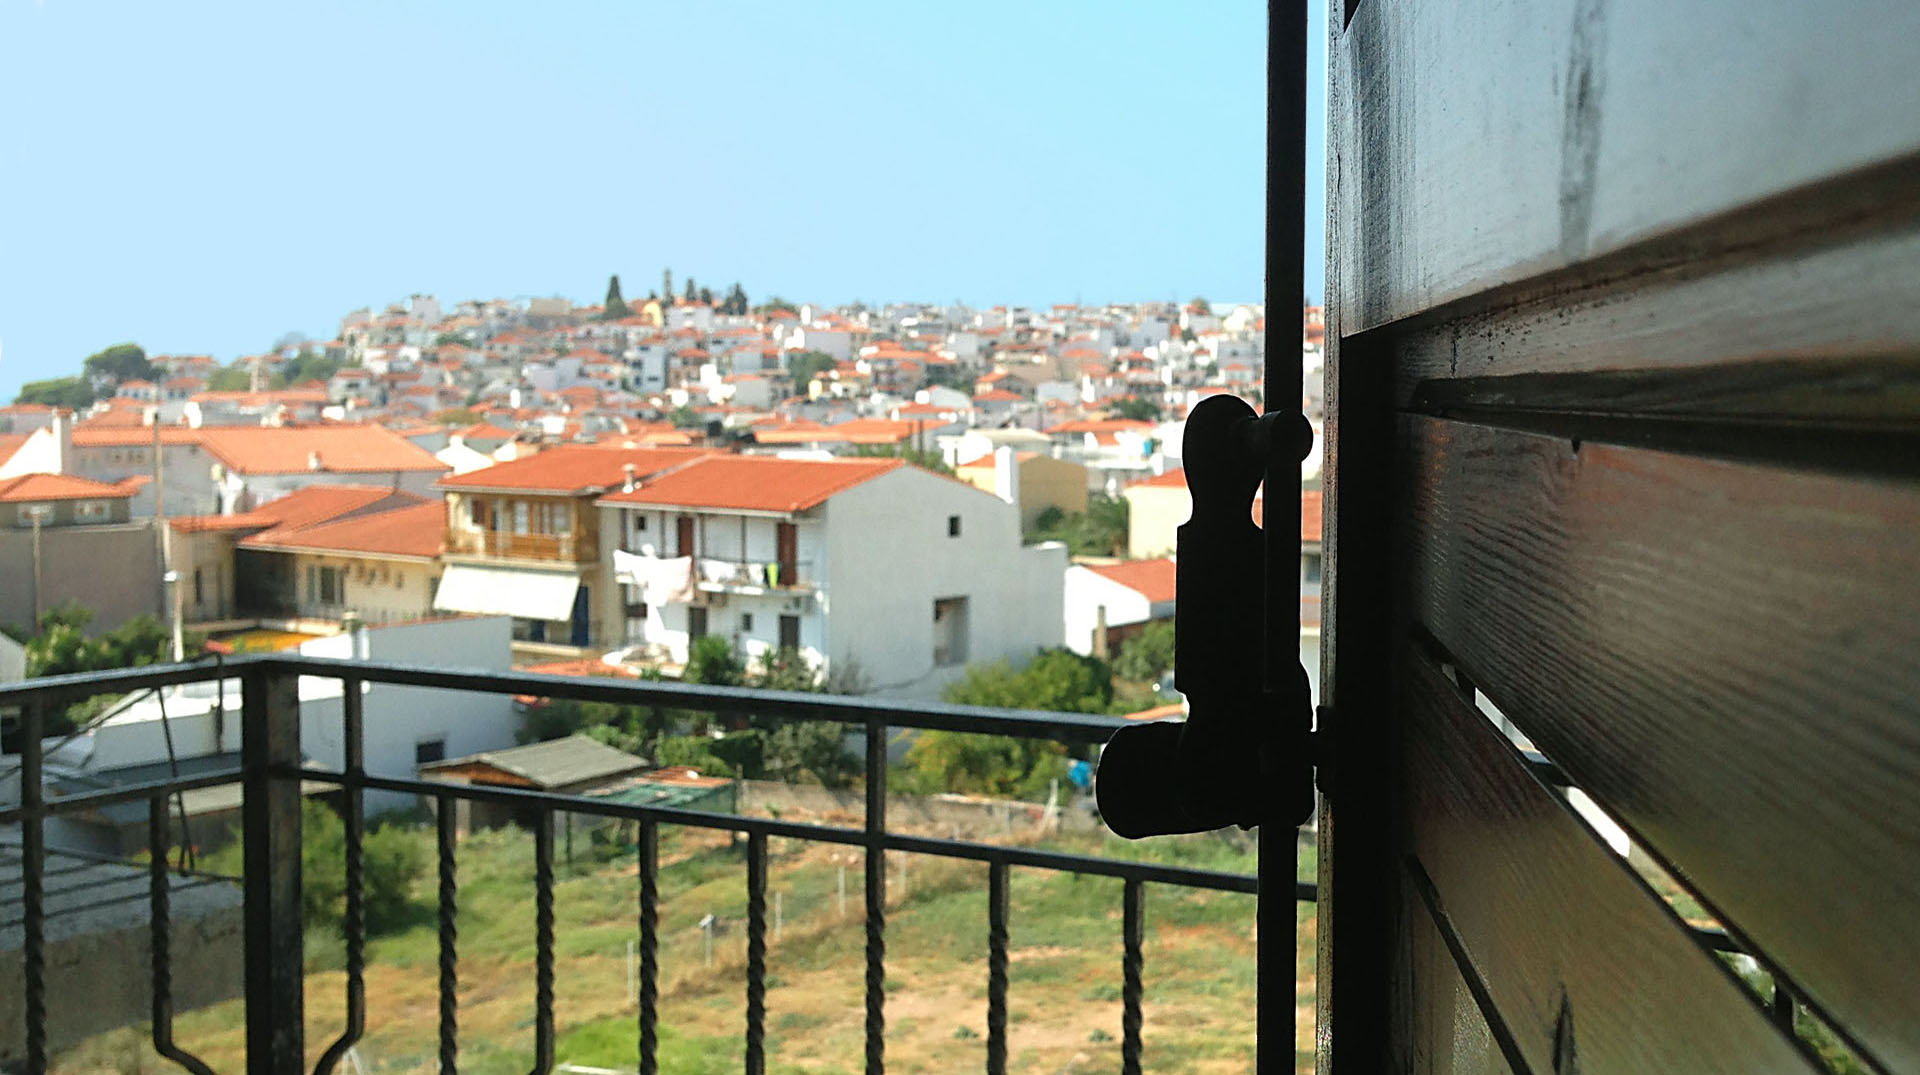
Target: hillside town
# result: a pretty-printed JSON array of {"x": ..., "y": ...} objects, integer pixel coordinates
[
  {"x": 892, "y": 493},
  {"x": 914, "y": 502}
]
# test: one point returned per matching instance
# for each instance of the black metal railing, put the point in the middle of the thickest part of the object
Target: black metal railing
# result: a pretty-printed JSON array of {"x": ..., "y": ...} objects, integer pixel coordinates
[{"x": 271, "y": 774}]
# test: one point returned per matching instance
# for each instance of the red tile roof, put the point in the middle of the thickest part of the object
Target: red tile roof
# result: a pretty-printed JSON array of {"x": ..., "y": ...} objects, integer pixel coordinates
[
  {"x": 1311, "y": 501},
  {"x": 10, "y": 443},
  {"x": 755, "y": 483},
  {"x": 1152, "y": 579},
  {"x": 417, "y": 530},
  {"x": 1175, "y": 478},
  {"x": 317, "y": 504},
  {"x": 339, "y": 449},
  {"x": 60, "y": 487},
  {"x": 572, "y": 468}
]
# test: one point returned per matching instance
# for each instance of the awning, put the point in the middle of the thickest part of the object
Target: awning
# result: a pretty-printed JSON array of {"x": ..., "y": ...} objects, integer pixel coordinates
[{"x": 502, "y": 591}]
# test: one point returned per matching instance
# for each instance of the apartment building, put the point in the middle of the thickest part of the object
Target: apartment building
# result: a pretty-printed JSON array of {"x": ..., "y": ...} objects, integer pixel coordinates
[
  {"x": 873, "y": 569},
  {"x": 523, "y": 538}
]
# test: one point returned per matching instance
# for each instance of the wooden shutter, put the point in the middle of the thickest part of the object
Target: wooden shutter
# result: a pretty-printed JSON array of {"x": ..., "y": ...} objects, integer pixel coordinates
[{"x": 1623, "y": 298}]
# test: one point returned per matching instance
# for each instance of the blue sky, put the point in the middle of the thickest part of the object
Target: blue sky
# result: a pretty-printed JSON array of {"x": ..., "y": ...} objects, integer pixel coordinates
[{"x": 204, "y": 177}]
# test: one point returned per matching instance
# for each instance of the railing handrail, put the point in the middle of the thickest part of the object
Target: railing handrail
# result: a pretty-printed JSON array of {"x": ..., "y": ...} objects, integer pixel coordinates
[{"x": 792, "y": 705}]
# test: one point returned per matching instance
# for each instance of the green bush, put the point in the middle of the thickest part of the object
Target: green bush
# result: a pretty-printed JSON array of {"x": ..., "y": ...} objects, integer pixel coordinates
[{"x": 393, "y": 859}]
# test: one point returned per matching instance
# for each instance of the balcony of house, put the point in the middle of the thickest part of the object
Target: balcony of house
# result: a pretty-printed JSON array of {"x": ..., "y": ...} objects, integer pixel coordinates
[
  {"x": 629, "y": 923},
  {"x": 721, "y": 575},
  {"x": 507, "y": 545}
]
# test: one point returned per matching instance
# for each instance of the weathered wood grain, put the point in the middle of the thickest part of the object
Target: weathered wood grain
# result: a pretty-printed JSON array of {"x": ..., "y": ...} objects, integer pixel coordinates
[
  {"x": 1834, "y": 303},
  {"x": 1583, "y": 963},
  {"x": 1485, "y": 144},
  {"x": 1726, "y": 657},
  {"x": 1445, "y": 1030}
]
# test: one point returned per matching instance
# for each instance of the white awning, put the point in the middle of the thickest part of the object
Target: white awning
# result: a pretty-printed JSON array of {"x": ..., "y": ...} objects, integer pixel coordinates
[{"x": 500, "y": 591}]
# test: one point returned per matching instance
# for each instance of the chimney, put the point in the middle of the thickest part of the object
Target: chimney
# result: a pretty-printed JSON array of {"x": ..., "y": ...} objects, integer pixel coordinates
[
  {"x": 628, "y": 483},
  {"x": 313, "y": 460},
  {"x": 1006, "y": 476},
  {"x": 62, "y": 430}
]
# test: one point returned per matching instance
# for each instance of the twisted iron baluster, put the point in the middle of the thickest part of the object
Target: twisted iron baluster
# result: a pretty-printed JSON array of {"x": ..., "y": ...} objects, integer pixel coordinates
[
  {"x": 997, "y": 967},
  {"x": 543, "y": 945},
  {"x": 33, "y": 869},
  {"x": 160, "y": 895},
  {"x": 1130, "y": 990},
  {"x": 756, "y": 952},
  {"x": 355, "y": 925},
  {"x": 876, "y": 897},
  {"x": 649, "y": 854},
  {"x": 449, "y": 976}
]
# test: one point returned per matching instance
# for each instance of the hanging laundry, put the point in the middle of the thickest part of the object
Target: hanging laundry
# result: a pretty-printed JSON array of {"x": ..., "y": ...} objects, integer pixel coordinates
[{"x": 661, "y": 580}]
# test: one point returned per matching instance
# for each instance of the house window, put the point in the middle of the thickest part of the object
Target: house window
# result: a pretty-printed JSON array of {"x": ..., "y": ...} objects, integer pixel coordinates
[
  {"x": 332, "y": 586},
  {"x": 519, "y": 516},
  {"x": 696, "y": 622},
  {"x": 29, "y": 512},
  {"x": 790, "y": 632},
  {"x": 90, "y": 509},
  {"x": 1310, "y": 567},
  {"x": 746, "y": 622},
  {"x": 953, "y": 526},
  {"x": 198, "y": 597},
  {"x": 949, "y": 631},
  {"x": 428, "y": 751}
]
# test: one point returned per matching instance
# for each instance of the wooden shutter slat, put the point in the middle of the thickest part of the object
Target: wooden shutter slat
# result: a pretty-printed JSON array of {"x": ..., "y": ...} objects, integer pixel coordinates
[
  {"x": 1725, "y": 656},
  {"x": 1569, "y": 943}
]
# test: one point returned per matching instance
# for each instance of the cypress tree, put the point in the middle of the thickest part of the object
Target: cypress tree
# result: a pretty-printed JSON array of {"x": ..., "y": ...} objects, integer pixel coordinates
[{"x": 616, "y": 307}]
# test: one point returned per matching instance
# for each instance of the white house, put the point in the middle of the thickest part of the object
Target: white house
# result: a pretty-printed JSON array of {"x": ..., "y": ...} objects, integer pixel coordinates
[
  {"x": 1107, "y": 604},
  {"x": 868, "y": 567},
  {"x": 403, "y": 726}
]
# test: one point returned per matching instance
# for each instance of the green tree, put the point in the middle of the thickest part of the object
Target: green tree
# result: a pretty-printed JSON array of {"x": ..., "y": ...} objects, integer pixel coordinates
[
  {"x": 1201, "y": 306},
  {"x": 736, "y": 301},
  {"x": 121, "y": 362},
  {"x": 306, "y": 366},
  {"x": 684, "y": 417},
  {"x": 393, "y": 857},
  {"x": 711, "y": 660},
  {"x": 457, "y": 416},
  {"x": 1057, "y": 680},
  {"x": 454, "y": 339},
  {"x": 229, "y": 379},
  {"x": 806, "y": 365},
  {"x": 1141, "y": 410},
  {"x": 924, "y": 458},
  {"x": 1148, "y": 655},
  {"x": 1101, "y": 530},
  {"x": 775, "y": 302},
  {"x": 73, "y": 393},
  {"x": 693, "y": 291},
  {"x": 616, "y": 307}
]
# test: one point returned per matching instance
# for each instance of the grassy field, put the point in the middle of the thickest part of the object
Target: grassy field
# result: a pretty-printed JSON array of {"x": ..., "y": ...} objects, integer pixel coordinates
[{"x": 1063, "y": 999}]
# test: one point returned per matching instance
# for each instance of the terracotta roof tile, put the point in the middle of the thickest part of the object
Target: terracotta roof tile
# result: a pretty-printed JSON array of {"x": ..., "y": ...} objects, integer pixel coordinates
[
  {"x": 339, "y": 449},
  {"x": 60, "y": 487},
  {"x": 755, "y": 483},
  {"x": 1152, "y": 579},
  {"x": 417, "y": 530},
  {"x": 573, "y": 468}
]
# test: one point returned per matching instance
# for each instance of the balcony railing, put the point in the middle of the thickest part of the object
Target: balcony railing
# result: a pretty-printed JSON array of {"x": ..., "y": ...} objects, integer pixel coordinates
[
  {"x": 753, "y": 576},
  {"x": 566, "y": 548},
  {"x": 271, "y": 775}
]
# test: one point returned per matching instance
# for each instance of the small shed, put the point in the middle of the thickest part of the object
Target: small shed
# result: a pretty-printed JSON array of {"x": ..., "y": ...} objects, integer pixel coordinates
[{"x": 576, "y": 765}]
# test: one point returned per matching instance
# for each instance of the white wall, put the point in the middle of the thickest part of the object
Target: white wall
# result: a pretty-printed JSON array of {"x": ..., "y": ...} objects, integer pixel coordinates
[
  {"x": 396, "y": 719},
  {"x": 1086, "y": 591},
  {"x": 890, "y": 557}
]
